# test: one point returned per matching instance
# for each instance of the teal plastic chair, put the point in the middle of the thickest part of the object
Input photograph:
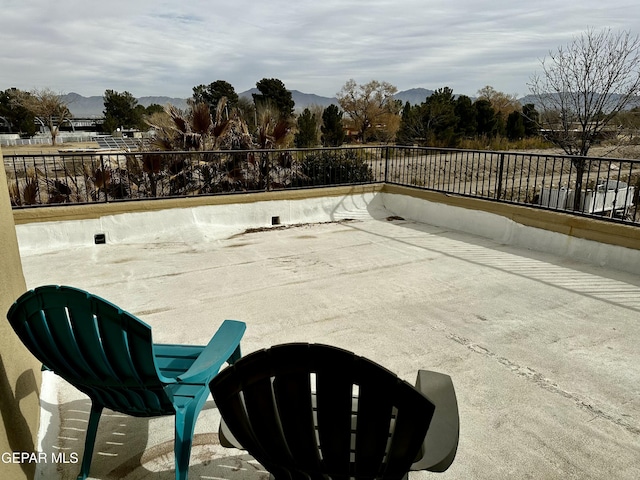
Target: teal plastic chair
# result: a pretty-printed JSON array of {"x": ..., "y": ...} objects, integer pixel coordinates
[{"x": 109, "y": 355}]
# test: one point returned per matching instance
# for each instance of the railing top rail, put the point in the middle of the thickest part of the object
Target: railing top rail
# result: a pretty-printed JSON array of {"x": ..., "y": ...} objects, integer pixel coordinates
[
  {"x": 114, "y": 151},
  {"x": 85, "y": 152},
  {"x": 517, "y": 153}
]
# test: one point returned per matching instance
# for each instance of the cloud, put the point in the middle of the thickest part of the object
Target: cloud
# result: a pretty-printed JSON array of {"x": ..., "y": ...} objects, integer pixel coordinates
[{"x": 167, "y": 47}]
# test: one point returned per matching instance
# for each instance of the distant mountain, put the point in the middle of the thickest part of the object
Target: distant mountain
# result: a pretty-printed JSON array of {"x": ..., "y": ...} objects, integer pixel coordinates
[
  {"x": 415, "y": 96},
  {"x": 84, "y": 107},
  {"x": 93, "y": 107},
  {"x": 534, "y": 99},
  {"x": 609, "y": 105},
  {"x": 302, "y": 100},
  {"x": 181, "y": 103}
]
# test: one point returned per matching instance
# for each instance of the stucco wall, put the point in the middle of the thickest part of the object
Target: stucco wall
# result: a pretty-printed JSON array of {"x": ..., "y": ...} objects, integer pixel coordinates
[{"x": 19, "y": 371}]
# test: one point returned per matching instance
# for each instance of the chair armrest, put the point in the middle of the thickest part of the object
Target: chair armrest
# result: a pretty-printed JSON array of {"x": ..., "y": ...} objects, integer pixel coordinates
[
  {"x": 441, "y": 442},
  {"x": 223, "y": 347}
]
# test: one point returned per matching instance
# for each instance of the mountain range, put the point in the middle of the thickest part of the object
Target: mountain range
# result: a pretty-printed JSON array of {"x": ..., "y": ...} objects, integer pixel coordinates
[{"x": 93, "y": 107}]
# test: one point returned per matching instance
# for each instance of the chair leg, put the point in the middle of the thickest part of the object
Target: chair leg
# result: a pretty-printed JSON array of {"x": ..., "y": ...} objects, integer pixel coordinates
[
  {"x": 90, "y": 440},
  {"x": 185, "y": 425}
]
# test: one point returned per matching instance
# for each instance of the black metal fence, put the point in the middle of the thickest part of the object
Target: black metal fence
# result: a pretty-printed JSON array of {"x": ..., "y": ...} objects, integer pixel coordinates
[{"x": 603, "y": 187}]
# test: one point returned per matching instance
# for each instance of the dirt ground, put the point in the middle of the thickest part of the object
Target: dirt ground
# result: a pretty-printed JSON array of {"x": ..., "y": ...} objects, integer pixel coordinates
[{"x": 626, "y": 152}]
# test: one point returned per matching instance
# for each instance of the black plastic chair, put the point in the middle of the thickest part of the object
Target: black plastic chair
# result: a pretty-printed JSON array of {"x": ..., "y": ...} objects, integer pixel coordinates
[{"x": 308, "y": 411}]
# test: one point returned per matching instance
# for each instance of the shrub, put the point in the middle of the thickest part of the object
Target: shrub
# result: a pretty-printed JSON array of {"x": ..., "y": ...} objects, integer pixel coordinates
[{"x": 331, "y": 167}]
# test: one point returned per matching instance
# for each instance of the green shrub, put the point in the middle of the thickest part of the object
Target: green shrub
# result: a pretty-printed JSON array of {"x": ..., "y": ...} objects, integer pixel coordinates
[{"x": 331, "y": 167}]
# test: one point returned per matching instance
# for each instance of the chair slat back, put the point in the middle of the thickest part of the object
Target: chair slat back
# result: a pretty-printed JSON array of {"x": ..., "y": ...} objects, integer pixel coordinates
[
  {"x": 97, "y": 347},
  {"x": 316, "y": 411}
]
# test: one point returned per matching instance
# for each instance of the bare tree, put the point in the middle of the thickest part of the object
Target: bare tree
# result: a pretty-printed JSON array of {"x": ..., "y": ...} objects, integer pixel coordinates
[
  {"x": 369, "y": 105},
  {"x": 503, "y": 103},
  {"x": 47, "y": 106},
  {"x": 582, "y": 87}
]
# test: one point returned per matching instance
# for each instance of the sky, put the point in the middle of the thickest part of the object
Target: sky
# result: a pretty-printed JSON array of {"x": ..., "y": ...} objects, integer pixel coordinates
[{"x": 166, "y": 47}]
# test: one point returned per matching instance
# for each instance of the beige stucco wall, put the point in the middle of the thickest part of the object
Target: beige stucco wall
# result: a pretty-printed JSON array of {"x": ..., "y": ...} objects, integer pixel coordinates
[{"x": 19, "y": 371}]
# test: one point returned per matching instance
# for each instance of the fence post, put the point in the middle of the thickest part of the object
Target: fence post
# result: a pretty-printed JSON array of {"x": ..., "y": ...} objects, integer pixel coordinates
[
  {"x": 500, "y": 172},
  {"x": 386, "y": 163},
  {"x": 104, "y": 178},
  {"x": 268, "y": 172}
]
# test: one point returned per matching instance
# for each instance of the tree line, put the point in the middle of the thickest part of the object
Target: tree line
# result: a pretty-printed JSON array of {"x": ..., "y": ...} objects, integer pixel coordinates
[
  {"x": 586, "y": 89},
  {"x": 365, "y": 113},
  {"x": 372, "y": 114}
]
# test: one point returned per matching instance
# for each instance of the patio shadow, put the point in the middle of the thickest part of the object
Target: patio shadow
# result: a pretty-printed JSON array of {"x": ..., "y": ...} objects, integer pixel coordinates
[
  {"x": 15, "y": 425},
  {"x": 134, "y": 448}
]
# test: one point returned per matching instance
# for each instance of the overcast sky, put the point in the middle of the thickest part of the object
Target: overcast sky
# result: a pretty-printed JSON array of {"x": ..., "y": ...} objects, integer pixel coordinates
[{"x": 167, "y": 47}]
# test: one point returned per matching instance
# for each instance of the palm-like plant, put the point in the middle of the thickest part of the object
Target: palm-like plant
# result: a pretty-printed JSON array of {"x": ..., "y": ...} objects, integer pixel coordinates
[
  {"x": 186, "y": 131},
  {"x": 197, "y": 130},
  {"x": 273, "y": 132}
]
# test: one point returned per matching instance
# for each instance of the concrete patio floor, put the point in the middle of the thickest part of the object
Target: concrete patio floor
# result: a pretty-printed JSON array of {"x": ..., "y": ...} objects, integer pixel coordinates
[{"x": 543, "y": 351}]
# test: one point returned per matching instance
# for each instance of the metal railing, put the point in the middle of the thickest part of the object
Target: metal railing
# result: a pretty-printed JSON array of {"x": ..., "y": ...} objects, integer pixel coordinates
[
  {"x": 603, "y": 187},
  {"x": 10, "y": 140}
]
